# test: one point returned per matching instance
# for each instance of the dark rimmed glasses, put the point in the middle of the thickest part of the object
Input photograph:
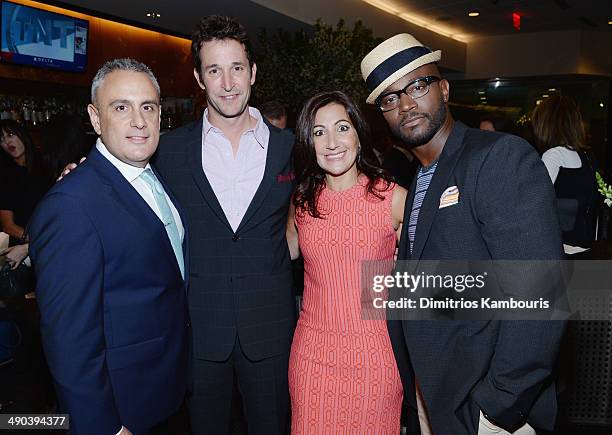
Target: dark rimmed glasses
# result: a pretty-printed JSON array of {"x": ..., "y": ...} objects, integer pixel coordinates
[{"x": 415, "y": 89}]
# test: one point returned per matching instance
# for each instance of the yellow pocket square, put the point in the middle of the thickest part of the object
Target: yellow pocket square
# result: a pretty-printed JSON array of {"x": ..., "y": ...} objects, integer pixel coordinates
[{"x": 449, "y": 197}]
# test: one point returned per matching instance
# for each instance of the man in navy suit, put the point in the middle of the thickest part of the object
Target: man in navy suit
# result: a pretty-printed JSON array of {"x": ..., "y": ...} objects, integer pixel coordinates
[
  {"x": 107, "y": 248},
  {"x": 477, "y": 196}
]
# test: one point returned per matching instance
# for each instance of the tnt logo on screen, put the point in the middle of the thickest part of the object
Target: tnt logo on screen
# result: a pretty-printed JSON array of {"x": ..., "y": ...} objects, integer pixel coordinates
[{"x": 43, "y": 35}]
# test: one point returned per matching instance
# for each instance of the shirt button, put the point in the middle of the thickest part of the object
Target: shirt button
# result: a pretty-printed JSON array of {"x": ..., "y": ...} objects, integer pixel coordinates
[{"x": 235, "y": 238}]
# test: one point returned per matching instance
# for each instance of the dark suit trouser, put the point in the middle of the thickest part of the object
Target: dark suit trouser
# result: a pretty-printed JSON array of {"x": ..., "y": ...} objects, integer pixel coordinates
[{"x": 263, "y": 385}]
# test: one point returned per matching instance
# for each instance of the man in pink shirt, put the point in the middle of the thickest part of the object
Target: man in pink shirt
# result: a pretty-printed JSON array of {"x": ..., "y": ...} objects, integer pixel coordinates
[{"x": 232, "y": 173}]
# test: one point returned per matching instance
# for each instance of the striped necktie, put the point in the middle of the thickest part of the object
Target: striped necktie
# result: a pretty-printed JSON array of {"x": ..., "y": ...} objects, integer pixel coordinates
[{"x": 422, "y": 184}]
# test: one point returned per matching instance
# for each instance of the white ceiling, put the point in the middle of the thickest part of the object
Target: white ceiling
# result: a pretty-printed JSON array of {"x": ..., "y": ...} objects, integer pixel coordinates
[
  {"x": 179, "y": 16},
  {"x": 496, "y": 15}
]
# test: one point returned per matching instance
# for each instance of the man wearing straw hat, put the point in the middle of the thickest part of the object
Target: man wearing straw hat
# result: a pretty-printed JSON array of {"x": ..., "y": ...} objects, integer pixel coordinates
[{"x": 477, "y": 196}]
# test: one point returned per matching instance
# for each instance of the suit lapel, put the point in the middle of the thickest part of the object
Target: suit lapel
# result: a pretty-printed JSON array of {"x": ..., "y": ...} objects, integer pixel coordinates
[
  {"x": 195, "y": 163},
  {"x": 446, "y": 164},
  {"x": 403, "y": 252},
  {"x": 272, "y": 167},
  {"x": 183, "y": 221},
  {"x": 122, "y": 192}
]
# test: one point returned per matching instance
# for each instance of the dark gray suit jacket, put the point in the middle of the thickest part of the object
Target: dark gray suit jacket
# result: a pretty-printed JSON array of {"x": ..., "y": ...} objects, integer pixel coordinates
[
  {"x": 506, "y": 211},
  {"x": 240, "y": 282}
]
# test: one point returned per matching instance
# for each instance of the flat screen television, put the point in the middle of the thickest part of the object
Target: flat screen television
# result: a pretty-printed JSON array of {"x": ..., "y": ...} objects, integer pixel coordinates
[{"x": 35, "y": 37}]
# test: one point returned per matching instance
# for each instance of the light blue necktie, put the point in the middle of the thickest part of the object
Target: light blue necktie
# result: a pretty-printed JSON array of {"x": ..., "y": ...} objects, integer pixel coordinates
[{"x": 166, "y": 216}]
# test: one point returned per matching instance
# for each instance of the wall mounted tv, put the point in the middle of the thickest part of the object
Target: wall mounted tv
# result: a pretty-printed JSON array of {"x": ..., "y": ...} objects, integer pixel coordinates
[{"x": 41, "y": 38}]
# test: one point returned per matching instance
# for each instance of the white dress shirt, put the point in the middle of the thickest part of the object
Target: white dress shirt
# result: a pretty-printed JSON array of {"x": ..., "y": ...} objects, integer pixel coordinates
[
  {"x": 555, "y": 159},
  {"x": 560, "y": 157}
]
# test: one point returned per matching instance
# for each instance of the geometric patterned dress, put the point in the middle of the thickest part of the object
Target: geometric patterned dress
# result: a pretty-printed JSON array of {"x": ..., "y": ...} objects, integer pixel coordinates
[{"x": 343, "y": 378}]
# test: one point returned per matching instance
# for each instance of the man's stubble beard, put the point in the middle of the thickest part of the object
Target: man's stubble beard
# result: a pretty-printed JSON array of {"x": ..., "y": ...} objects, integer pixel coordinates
[
  {"x": 224, "y": 114},
  {"x": 435, "y": 123}
]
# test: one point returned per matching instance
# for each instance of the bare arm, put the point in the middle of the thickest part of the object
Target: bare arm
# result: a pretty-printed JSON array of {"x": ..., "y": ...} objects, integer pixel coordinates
[
  {"x": 292, "y": 235},
  {"x": 15, "y": 255},
  {"x": 397, "y": 209},
  {"x": 7, "y": 221}
]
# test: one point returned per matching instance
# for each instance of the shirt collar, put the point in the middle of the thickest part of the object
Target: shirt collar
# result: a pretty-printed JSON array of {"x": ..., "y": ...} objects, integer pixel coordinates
[
  {"x": 259, "y": 131},
  {"x": 130, "y": 172}
]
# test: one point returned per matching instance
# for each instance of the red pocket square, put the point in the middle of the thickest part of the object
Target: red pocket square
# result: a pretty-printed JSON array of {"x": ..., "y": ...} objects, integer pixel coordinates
[{"x": 284, "y": 178}]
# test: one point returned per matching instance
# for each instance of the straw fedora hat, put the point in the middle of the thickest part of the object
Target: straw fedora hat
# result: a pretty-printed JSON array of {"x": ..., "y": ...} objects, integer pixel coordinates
[{"x": 392, "y": 59}]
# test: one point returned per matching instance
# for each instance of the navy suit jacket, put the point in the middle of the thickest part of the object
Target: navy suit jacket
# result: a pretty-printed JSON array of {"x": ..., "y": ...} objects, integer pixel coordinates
[
  {"x": 114, "y": 317},
  {"x": 506, "y": 211}
]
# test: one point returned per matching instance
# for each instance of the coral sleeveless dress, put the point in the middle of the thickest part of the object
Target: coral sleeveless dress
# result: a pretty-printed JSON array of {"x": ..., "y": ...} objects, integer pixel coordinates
[{"x": 343, "y": 378}]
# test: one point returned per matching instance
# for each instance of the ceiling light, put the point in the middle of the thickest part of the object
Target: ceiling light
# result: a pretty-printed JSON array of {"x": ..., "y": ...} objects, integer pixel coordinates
[
  {"x": 153, "y": 15},
  {"x": 483, "y": 98},
  {"x": 474, "y": 14},
  {"x": 429, "y": 24},
  {"x": 610, "y": 22},
  {"x": 481, "y": 92},
  {"x": 551, "y": 89},
  {"x": 601, "y": 104},
  {"x": 545, "y": 95},
  {"x": 538, "y": 102}
]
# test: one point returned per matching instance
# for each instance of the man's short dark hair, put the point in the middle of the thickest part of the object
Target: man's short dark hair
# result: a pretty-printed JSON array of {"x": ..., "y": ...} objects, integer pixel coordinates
[
  {"x": 273, "y": 109},
  {"x": 218, "y": 27}
]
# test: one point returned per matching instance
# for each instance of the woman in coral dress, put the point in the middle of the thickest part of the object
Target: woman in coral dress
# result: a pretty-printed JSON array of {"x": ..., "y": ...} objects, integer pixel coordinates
[{"x": 343, "y": 378}]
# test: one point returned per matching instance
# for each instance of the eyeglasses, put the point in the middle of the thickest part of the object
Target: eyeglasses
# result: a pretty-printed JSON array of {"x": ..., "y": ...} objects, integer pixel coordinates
[{"x": 415, "y": 89}]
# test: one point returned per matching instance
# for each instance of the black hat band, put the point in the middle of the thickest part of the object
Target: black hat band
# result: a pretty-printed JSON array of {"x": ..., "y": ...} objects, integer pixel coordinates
[{"x": 394, "y": 63}]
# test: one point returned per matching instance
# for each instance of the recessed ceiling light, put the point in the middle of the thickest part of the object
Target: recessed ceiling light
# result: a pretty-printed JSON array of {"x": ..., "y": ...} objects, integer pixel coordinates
[
  {"x": 545, "y": 95},
  {"x": 552, "y": 89},
  {"x": 474, "y": 14},
  {"x": 610, "y": 22},
  {"x": 153, "y": 15},
  {"x": 538, "y": 102},
  {"x": 601, "y": 104},
  {"x": 483, "y": 98},
  {"x": 481, "y": 92}
]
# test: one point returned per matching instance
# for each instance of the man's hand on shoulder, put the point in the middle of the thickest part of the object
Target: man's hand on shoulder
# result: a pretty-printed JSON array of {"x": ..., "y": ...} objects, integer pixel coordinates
[
  {"x": 69, "y": 168},
  {"x": 124, "y": 431}
]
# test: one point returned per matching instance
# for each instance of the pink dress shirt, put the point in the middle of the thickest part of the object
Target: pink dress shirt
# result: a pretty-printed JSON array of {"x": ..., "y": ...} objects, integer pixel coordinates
[{"x": 235, "y": 179}]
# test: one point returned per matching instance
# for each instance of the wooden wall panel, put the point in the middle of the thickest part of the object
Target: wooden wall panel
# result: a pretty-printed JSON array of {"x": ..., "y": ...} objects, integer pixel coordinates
[{"x": 168, "y": 56}]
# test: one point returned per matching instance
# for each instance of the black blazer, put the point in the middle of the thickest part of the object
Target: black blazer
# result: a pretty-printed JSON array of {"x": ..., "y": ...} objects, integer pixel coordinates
[
  {"x": 240, "y": 283},
  {"x": 506, "y": 211}
]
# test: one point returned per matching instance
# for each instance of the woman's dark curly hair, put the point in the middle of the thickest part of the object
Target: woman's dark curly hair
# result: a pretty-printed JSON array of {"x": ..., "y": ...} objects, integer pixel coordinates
[{"x": 310, "y": 177}]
